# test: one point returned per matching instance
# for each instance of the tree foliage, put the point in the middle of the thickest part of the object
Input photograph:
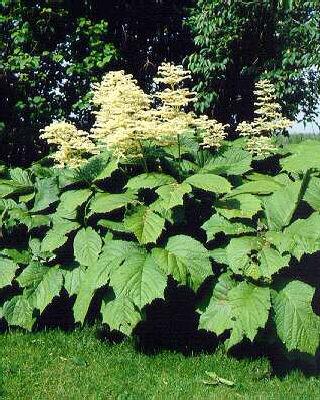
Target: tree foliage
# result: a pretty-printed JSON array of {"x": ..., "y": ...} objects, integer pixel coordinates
[{"x": 243, "y": 41}]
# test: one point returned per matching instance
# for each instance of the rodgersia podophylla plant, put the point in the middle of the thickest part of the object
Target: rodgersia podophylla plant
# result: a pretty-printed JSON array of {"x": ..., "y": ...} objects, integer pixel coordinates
[
  {"x": 128, "y": 119},
  {"x": 267, "y": 122}
]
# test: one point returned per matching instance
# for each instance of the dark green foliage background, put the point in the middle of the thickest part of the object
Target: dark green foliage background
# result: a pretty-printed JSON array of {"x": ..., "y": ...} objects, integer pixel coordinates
[{"x": 239, "y": 42}]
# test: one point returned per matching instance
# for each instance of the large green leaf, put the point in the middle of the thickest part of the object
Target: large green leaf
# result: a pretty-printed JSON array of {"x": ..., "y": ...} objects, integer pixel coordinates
[
  {"x": 120, "y": 314},
  {"x": 57, "y": 236},
  {"x": 70, "y": 201},
  {"x": 87, "y": 246},
  {"x": 250, "y": 309},
  {"x": 305, "y": 156},
  {"x": 47, "y": 192},
  {"x": 249, "y": 256},
  {"x": 41, "y": 283},
  {"x": 217, "y": 317},
  {"x": 7, "y": 271},
  {"x": 210, "y": 182},
  {"x": 172, "y": 195},
  {"x": 281, "y": 205},
  {"x": 149, "y": 180},
  {"x": 217, "y": 224},
  {"x": 106, "y": 202},
  {"x": 97, "y": 275},
  {"x": 312, "y": 194},
  {"x": 186, "y": 259},
  {"x": 297, "y": 325},
  {"x": 302, "y": 236},
  {"x": 9, "y": 187},
  {"x": 239, "y": 206},
  {"x": 21, "y": 176},
  {"x": 233, "y": 161},
  {"x": 258, "y": 186},
  {"x": 107, "y": 171},
  {"x": 139, "y": 278},
  {"x": 17, "y": 256},
  {"x": 73, "y": 276},
  {"x": 145, "y": 224},
  {"x": 243, "y": 308},
  {"x": 19, "y": 312}
]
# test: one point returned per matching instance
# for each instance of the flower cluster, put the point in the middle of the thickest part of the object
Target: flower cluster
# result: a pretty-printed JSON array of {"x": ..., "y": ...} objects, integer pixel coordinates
[
  {"x": 173, "y": 118},
  {"x": 73, "y": 146},
  {"x": 267, "y": 122},
  {"x": 123, "y": 119},
  {"x": 128, "y": 119}
]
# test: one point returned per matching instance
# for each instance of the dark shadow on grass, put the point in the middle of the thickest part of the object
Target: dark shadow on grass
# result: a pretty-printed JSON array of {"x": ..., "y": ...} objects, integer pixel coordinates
[
  {"x": 172, "y": 324},
  {"x": 281, "y": 362},
  {"x": 58, "y": 315}
]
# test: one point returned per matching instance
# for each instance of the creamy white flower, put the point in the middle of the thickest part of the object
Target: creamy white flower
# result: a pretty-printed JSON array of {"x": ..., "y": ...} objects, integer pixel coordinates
[{"x": 267, "y": 122}]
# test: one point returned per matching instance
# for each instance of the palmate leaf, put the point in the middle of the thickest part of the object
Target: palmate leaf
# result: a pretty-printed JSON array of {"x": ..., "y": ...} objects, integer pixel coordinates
[
  {"x": 233, "y": 161},
  {"x": 305, "y": 156},
  {"x": 70, "y": 201},
  {"x": 239, "y": 206},
  {"x": 97, "y": 275},
  {"x": 107, "y": 171},
  {"x": 73, "y": 277},
  {"x": 219, "y": 255},
  {"x": 261, "y": 186},
  {"x": 186, "y": 259},
  {"x": 47, "y": 192},
  {"x": 297, "y": 325},
  {"x": 281, "y": 205},
  {"x": 21, "y": 176},
  {"x": 302, "y": 236},
  {"x": 250, "y": 307},
  {"x": 10, "y": 187},
  {"x": 242, "y": 308},
  {"x": 210, "y": 182},
  {"x": 146, "y": 225},
  {"x": 149, "y": 181},
  {"x": 159, "y": 207},
  {"x": 139, "y": 279},
  {"x": 172, "y": 195},
  {"x": 312, "y": 194},
  {"x": 87, "y": 246},
  {"x": 249, "y": 256},
  {"x": 93, "y": 168},
  {"x": 113, "y": 225},
  {"x": 17, "y": 256},
  {"x": 218, "y": 316},
  {"x": 41, "y": 284},
  {"x": 7, "y": 271},
  {"x": 120, "y": 314},
  {"x": 57, "y": 236},
  {"x": 107, "y": 202},
  {"x": 19, "y": 312},
  {"x": 217, "y": 224}
]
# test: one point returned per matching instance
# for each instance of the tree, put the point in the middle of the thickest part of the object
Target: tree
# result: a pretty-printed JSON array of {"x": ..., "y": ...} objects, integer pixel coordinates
[
  {"x": 240, "y": 42},
  {"x": 50, "y": 53}
]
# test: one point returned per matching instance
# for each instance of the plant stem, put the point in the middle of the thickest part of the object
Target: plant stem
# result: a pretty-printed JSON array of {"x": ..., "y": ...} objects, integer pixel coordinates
[
  {"x": 144, "y": 163},
  {"x": 179, "y": 148}
]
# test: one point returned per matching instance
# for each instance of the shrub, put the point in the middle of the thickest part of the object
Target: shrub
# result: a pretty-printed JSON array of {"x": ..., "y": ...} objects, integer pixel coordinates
[{"x": 123, "y": 222}]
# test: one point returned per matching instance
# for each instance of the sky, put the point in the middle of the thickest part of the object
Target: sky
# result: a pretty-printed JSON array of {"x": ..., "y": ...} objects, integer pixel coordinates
[{"x": 309, "y": 128}]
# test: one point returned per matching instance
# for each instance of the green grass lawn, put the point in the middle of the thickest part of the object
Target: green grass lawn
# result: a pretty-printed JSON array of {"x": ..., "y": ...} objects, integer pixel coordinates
[{"x": 58, "y": 365}]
